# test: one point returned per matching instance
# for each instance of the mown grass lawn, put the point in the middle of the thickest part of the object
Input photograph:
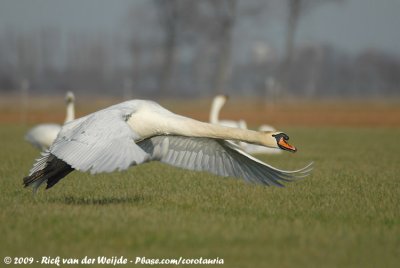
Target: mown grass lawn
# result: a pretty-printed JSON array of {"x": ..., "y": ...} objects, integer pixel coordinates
[{"x": 346, "y": 214}]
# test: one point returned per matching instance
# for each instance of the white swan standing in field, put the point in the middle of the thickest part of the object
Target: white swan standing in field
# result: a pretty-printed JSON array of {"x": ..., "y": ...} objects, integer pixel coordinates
[
  {"x": 43, "y": 135},
  {"x": 216, "y": 106},
  {"x": 138, "y": 131}
]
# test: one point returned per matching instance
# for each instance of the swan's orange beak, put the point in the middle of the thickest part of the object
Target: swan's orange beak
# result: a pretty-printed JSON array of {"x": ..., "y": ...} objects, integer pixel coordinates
[{"x": 283, "y": 144}]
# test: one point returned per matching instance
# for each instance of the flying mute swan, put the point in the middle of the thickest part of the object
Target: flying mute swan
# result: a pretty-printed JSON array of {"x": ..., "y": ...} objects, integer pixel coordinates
[
  {"x": 43, "y": 135},
  {"x": 139, "y": 131}
]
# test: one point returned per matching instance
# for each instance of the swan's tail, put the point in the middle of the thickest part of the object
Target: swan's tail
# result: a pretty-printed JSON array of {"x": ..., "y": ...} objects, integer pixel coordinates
[{"x": 48, "y": 169}]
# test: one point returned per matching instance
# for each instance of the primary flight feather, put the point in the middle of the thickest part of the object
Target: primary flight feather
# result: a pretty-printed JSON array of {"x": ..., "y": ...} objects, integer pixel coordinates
[{"x": 138, "y": 131}]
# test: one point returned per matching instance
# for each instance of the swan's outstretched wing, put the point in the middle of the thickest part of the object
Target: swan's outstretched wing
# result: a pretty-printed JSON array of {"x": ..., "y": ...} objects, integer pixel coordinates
[
  {"x": 48, "y": 169},
  {"x": 100, "y": 142},
  {"x": 216, "y": 156}
]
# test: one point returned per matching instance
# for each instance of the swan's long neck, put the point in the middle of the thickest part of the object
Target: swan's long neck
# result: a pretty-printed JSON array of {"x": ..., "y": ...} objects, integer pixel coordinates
[
  {"x": 215, "y": 109},
  {"x": 70, "y": 112},
  {"x": 193, "y": 128},
  {"x": 148, "y": 124}
]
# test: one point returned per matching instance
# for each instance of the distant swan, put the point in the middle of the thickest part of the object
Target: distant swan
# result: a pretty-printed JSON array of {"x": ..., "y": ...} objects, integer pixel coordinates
[
  {"x": 216, "y": 106},
  {"x": 43, "y": 135},
  {"x": 138, "y": 131}
]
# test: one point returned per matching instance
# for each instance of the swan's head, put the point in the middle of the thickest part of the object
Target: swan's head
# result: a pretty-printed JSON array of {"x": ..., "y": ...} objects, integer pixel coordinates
[
  {"x": 279, "y": 140},
  {"x": 69, "y": 97},
  {"x": 220, "y": 100}
]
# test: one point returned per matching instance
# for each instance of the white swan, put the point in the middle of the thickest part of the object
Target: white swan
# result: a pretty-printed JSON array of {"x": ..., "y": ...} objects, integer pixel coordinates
[
  {"x": 43, "y": 135},
  {"x": 216, "y": 106},
  {"x": 138, "y": 131}
]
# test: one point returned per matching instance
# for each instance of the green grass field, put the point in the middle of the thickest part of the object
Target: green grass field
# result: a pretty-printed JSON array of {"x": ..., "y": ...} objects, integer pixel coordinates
[{"x": 346, "y": 214}]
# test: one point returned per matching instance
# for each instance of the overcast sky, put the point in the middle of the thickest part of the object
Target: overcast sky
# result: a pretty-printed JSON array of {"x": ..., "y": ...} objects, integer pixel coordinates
[{"x": 352, "y": 26}]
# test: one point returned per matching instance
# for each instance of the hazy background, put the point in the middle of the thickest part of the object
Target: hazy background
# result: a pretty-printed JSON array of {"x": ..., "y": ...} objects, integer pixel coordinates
[{"x": 177, "y": 48}]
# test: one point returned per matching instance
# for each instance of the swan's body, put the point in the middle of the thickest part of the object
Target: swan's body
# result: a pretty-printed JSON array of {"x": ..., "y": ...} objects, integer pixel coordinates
[
  {"x": 43, "y": 135},
  {"x": 266, "y": 128},
  {"x": 138, "y": 131}
]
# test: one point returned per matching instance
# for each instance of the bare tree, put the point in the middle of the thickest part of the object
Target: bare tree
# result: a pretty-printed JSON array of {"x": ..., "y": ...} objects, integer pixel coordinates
[
  {"x": 296, "y": 9},
  {"x": 226, "y": 12},
  {"x": 221, "y": 22},
  {"x": 211, "y": 21},
  {"x": 168, "y": 15}
]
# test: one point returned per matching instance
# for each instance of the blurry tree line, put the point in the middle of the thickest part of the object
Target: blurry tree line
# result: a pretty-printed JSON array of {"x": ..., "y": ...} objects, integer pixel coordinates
[{"x": 185, "y": 48}]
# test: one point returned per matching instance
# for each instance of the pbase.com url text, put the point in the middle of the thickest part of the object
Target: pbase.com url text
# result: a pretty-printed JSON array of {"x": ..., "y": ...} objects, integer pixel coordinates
[{"x": 181, "y": 260}]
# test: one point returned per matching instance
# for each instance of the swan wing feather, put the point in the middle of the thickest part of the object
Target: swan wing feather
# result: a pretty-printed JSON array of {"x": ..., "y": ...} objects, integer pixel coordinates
[
  {"x": 219, "y": 157},
  {"x": 100, "y": 142}
]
